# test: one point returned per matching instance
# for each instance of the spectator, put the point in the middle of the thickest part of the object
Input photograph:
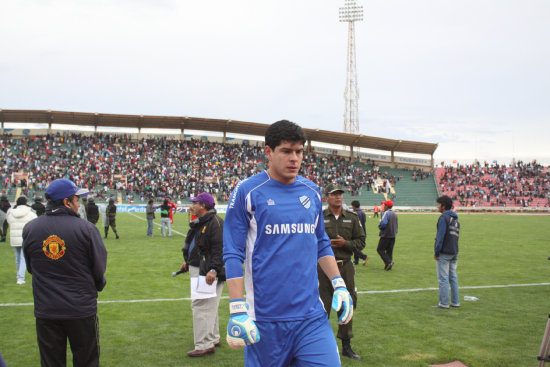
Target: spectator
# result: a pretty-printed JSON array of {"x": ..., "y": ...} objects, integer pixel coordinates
[
  {"x": 4, "y": 207},
  {"x": 173, "y": 209},
  {"x": 388, "y": 232},
  {"x": 356, "y": 206},
  {"x": 82, "y": 208},
  {"x": 446, "y": 253},
  {"x": 165, "y": 222},
  {"x": 17, "y": 217},
  {"x": 55, "y": 245},
  {"x": 150, "y": 214},
  {"x": 38, "y": 207},
  {"x": 203, "y": 251},
  {"x": 92, "y": 211}
]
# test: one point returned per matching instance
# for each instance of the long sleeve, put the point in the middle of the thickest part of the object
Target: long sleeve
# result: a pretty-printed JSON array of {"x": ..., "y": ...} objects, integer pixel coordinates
[{"x": 441, "y": 230}]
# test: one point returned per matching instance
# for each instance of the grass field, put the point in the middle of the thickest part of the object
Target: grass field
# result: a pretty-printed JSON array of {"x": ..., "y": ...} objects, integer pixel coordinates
[{"x": 503, "y": 328}]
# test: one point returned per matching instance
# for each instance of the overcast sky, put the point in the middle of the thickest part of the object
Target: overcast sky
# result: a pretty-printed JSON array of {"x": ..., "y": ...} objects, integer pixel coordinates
[{"x": 471, "y": 75}]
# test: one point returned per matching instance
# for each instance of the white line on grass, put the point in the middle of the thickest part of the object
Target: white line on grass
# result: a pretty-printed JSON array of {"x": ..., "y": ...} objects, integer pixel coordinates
[
  {"x": 467, "y": 287},
  {"x": 361, "y": 292},
  {"x": 173, "y": 230}
]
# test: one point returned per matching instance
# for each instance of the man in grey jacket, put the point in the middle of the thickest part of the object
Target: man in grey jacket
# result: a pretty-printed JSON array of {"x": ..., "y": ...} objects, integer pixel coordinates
[
  {"x": 67, "y": 260},
  {"x": 150, "y": 212}
]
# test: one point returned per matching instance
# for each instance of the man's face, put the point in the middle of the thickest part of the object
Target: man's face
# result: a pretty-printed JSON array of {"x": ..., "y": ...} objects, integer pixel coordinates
[
  {"x": 382, "y": 207},
  {"x": 285, "y": 161},
  {"x": 72, "y": 203},
  {"x": 197, "y": 208},
  {"x": 335, "y": 199},
  {"x": 440, "y": 208}
]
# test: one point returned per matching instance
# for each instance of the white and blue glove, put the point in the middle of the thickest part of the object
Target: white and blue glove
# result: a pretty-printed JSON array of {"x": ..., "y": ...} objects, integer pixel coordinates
[
  {"x": 341, "y": 300},
  {"x": 241, "y": 329}
]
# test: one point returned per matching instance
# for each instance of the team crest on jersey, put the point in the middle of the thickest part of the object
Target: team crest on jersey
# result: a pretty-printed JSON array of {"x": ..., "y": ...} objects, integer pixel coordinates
[
  {"x": 305, "y": 201},
  {"x": 54, "y": 247}
]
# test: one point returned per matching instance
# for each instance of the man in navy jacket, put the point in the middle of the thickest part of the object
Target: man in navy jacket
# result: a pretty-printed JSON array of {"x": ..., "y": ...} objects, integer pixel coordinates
[
  {"x": 67, "y": 258},
  {"x": 446, "y": 253}
]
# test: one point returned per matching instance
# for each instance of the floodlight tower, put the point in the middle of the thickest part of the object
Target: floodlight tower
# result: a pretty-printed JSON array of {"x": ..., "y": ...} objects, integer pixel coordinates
[{"x": 351, "y": 13}]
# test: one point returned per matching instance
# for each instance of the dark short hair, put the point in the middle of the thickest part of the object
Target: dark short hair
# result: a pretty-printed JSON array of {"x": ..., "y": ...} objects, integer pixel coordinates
[
  {"x": 355, "y": 204},
  {"x": 150, "y": 201},
  {"x": 22, "y": 200},
  {"x": 57, "y": 202},
  {"x": 284, "y": 130},
  {"x": 446, "y": 201},
  {"x": 208, "y": 207}
]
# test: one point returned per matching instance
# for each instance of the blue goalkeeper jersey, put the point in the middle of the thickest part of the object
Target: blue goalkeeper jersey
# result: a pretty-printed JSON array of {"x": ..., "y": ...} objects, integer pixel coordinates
[{"x": 278, "y": 231}]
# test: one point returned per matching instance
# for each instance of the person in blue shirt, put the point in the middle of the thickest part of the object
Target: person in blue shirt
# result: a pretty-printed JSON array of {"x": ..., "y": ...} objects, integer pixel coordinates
[
  {"x": 274, "y": 226},
  {"x": 446, "y": 253}
]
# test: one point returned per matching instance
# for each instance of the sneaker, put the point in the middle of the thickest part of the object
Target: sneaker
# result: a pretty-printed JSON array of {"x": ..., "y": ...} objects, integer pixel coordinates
[
  {"x": 441, "y": 306},
  {"x": 365, "y": 261},
  {"x": 20, "y": 281},
  {"x": 456, "y": 306}
]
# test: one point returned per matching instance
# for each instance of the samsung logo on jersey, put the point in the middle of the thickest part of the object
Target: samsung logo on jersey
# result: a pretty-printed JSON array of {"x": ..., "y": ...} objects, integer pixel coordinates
[{"x": 287, "y": 228}]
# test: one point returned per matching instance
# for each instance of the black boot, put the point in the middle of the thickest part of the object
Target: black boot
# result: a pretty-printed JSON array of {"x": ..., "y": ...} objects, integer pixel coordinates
[
  {"x": 116, "y": 234},
  {"x": 347, "y": 351},
  {"x": 106, "y": 231}
]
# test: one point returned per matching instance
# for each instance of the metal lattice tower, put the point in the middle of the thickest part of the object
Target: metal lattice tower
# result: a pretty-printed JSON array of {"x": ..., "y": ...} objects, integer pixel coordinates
[{"x": 351, "y": 13}]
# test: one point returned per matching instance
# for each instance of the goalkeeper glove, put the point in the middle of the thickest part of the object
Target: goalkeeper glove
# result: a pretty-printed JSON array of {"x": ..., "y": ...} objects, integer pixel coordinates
[
  {"x": 241, "y": 329},
  {"x": 341, "y": 300}
]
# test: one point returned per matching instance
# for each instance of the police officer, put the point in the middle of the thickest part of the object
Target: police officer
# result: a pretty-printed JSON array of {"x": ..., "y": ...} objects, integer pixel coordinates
[
  {"x": 346, "y": 236},
  {"x": 111, "y": 218}
]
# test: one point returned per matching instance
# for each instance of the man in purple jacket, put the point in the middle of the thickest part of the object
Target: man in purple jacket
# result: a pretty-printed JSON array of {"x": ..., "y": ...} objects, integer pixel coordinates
[{"x": 67, "y": 259}]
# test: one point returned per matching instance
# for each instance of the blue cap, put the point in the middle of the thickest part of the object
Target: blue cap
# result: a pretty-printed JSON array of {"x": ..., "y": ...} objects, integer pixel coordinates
[{"x": 64, "y": 188}]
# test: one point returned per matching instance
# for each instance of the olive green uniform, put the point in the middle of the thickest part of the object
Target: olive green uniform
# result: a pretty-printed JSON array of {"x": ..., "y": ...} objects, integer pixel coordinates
[
  {"x": 111, "y": 219},
  {"x": 348, "y": 226}
]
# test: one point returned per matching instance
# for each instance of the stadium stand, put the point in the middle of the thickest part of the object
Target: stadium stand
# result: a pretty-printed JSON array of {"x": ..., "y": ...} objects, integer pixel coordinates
[
  {"x": 136, "y": 170},
  {"x": 518, "y": 185}
]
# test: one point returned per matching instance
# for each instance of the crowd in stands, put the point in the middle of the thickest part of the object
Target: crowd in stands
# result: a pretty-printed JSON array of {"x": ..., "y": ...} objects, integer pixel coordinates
[
  {"x": 152, "y": 168},
  {"x": 156, "y": 167},
  {"x": 323, "y": 170},
  {"x": 520, "y": 184}
]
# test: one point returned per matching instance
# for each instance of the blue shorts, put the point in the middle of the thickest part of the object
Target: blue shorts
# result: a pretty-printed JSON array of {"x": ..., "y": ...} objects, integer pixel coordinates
[{"x": 294, "y": 343}]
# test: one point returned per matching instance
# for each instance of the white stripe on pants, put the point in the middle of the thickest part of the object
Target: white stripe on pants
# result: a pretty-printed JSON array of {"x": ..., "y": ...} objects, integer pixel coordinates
[{"x": 206, "y": 330}]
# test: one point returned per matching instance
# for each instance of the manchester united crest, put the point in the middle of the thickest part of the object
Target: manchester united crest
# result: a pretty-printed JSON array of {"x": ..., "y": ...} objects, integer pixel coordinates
[{"x": 54, "y": 247}]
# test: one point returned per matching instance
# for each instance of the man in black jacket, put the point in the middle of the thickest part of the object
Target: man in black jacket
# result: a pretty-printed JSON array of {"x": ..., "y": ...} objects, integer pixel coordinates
[
  {"x": 4, "y": 207},
  {"x": 92, "y": 211},
  {"x": 203, "y": 252},
  {"x": 38, "y": 207},
  {"x": 67, "y": 259}
]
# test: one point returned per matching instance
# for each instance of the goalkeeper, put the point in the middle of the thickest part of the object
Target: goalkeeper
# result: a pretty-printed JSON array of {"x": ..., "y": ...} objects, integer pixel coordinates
[{"x": 274, "y": 225}]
